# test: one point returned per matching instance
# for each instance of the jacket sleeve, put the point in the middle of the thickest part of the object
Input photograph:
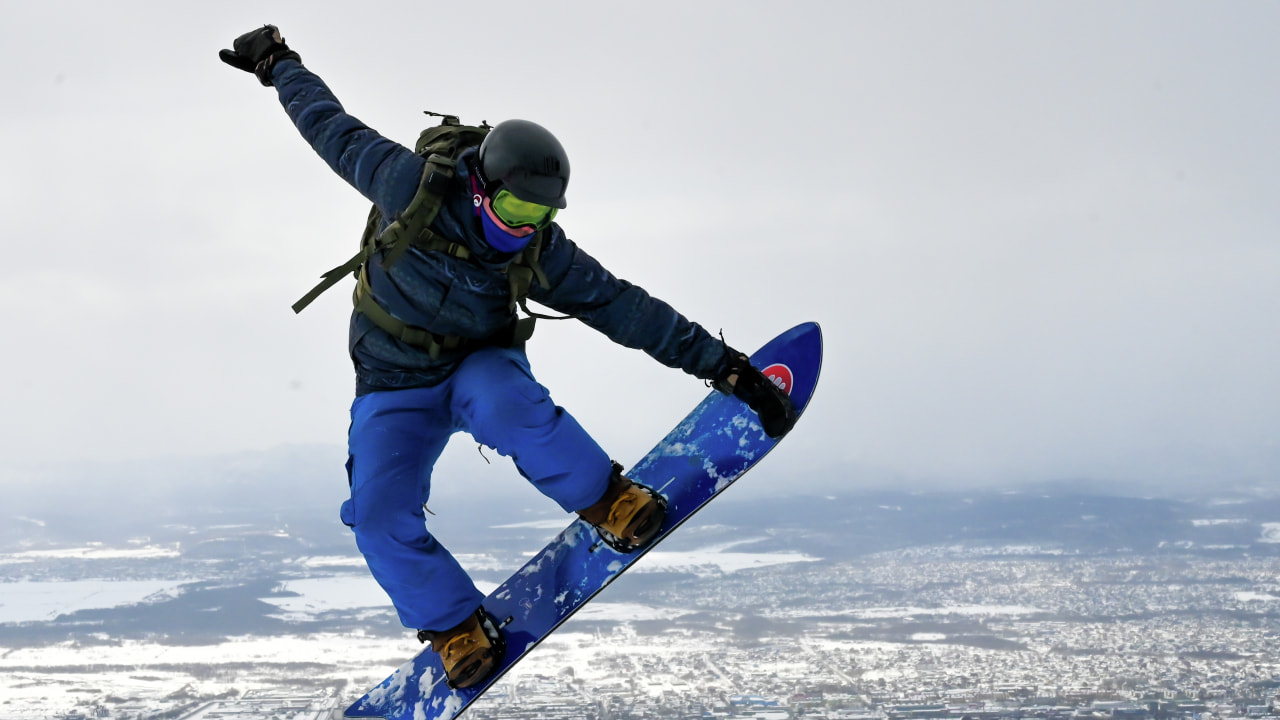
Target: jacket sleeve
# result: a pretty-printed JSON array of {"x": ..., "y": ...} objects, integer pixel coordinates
[
  {"x": 384, "y": 171},
  {"x": 624, "y": 312}
]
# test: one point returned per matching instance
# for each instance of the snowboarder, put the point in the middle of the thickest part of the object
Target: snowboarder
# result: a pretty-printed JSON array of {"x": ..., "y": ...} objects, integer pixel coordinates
[{"x": 438, "y": 348}]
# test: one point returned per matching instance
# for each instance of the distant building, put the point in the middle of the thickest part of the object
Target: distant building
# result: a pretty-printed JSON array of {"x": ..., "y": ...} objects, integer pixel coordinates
[
  {"x": 1131, "y": 712},
  {"x": 916, "y": 712},
  {"x": 739, "y": 701}
]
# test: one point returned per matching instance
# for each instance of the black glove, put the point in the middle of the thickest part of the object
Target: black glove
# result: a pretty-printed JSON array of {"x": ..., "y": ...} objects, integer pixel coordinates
[
  {"x": 258, "y": 51},
  {"x": 773, "y": 405}
]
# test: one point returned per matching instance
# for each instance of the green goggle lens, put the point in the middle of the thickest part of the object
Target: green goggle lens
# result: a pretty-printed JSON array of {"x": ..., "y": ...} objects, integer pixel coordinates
[{"x": 516, "y": 212}]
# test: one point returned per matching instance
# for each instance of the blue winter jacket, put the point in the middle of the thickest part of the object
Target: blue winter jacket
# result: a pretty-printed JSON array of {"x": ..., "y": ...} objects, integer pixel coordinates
[{"x": 469, "y": 298}]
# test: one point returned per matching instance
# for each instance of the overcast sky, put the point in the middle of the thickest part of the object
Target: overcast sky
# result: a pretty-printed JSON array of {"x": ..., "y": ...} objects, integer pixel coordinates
[{"x": 1043, "y": 239}]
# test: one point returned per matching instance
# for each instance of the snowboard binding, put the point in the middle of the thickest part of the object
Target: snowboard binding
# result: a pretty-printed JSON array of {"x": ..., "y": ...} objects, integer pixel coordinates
[
  {"x": 470, "y": 652},
  {"x": 772, "y": 403},
  {"x": 629, "y": 515}
]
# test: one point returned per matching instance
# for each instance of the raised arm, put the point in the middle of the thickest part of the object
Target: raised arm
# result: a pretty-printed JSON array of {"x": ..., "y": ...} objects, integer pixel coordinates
[{"x": 384, "y": 171}]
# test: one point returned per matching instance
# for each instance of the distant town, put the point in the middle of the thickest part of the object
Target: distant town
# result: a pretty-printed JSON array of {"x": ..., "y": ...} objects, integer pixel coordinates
[
  {"x": 918, "y": 634},
  {"x": 892, "y": 606}
]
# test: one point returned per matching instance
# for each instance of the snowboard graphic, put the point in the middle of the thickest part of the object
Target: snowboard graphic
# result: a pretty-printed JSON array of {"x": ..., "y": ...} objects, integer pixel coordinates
[{"x": 713, "y": 446}]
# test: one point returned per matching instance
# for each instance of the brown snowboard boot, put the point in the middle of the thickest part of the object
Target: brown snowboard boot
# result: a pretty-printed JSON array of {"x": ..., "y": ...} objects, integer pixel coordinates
[
  {"x": 629, "y": 515},
  {"x": 470, "y": 652}
]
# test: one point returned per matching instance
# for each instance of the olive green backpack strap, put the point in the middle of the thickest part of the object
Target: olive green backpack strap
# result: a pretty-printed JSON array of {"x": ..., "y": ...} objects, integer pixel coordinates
[
  {"x": 413, "y": 226},
  {"x": 521, "y": 273},
  {"x": 397, "y": 328},
  {"x": 329, "y": 279},
  {"x": 350, "y": 267},
  {"x": 440, "y": 145},
  {"x": 524, "y": 269}
]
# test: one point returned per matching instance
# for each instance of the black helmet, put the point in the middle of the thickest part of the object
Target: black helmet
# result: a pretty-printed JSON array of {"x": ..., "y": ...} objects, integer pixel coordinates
[{"x": 526, "y": 159}]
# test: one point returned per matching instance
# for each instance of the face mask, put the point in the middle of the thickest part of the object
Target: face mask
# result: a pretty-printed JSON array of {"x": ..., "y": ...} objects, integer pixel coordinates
[{"x": 499, "y": 235}]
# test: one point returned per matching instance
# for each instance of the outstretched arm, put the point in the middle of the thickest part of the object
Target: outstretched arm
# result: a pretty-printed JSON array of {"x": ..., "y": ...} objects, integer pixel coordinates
[
  {"x": 625, "y": 313},
  {"x": 384, "y": 171},
  {"x": 629, "y": 316}
]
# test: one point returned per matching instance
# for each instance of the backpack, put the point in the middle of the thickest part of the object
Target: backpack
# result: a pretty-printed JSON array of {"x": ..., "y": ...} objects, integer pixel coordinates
[{"x": 440, "y": 145}]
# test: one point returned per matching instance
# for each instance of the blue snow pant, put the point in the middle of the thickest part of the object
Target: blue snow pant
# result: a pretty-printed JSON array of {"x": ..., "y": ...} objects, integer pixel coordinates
[{"x": 396, "y": 437}]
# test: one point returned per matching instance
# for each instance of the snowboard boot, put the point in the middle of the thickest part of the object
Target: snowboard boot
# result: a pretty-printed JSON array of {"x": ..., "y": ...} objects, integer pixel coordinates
[
  {"x": 470, "y": 652},
  {"x": 629, "y": 515}
]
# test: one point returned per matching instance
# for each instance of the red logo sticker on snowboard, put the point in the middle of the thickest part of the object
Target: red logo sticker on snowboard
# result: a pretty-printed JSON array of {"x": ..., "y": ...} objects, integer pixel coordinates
[{"x": 780, "y": 375}]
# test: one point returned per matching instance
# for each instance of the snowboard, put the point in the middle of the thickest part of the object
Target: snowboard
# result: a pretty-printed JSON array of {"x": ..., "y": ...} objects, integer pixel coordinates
[{"x": 705, "y": 453}]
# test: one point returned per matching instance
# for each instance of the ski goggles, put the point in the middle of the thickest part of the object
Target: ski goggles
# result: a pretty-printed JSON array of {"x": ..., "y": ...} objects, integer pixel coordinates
[{"x": 514, "y": 212}]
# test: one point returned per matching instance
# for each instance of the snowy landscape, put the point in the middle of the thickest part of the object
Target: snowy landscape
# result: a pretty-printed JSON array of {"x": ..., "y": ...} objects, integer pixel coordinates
[{"x": 887, "y": 604}]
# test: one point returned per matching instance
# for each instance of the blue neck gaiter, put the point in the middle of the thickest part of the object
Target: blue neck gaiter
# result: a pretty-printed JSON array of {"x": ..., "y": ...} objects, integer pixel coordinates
[{"x": 501, "y": 237}]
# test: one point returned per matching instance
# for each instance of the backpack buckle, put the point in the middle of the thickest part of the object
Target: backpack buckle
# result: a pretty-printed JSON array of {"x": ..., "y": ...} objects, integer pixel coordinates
[{"x": 439, "y": 173}]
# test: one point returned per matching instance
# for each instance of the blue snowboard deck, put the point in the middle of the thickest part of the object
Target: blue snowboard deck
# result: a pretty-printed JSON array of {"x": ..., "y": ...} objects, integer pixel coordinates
[{"x": 713, "y": 446}]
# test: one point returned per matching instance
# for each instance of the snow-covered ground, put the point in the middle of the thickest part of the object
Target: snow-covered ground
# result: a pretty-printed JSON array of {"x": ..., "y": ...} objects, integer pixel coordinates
[
  {"x": 715, "y": 559},
  {"x": 61, "y": 677},
  {"x": 359, "y": 591},
  {"x": 46, "y": 681},
  {"x": 35, "y": 601},
  {"x": 1270, "y": 533},
  {"x": 92, "y": 551}
]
